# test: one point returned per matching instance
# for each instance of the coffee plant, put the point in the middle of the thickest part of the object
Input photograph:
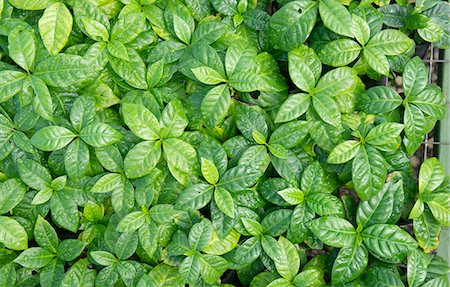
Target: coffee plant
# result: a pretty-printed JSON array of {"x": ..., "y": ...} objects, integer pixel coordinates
[{"x": 219, "y": 143}]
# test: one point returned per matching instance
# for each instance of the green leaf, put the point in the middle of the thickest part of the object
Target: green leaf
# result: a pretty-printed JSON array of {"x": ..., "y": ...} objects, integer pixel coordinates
[
  {"x": 312, "y": 178},
  {"x": 253, "y": 227},
  {"x": 224, "y": 201},
  {"x": 382, "y": 277},
  {"x": 70, "y": 249},
  {"x": 79, "y": 275},
  {"x": 239, "y": 178},
  {"x": 198, "y": 55},
  {"x": 12, "y": 234},
  {"x": 132, "y": 221},
  {"x": 305, "y": 67},
  {"x": 389, "y": 42},
  {"x": 126, "y": 245},
  {"x": 65, "y": 70},
  {"x": 361, "y": 29},
  {"x": 431, "y": 175},
  {"x": 45, "y": 235},
  {"x": 325, "y": 204},
  {"x": 292, "y": 195},
  {"x": 208, "y": 32},
  {"x": 344, "y": 152},
  {"x": 415, "y": 77},
  {"x": 173, "y": 120},
  {"x": 142, "y": 158},
  {"x": 209, "y": 171},
  {"x": 336, "y": 17},
  {"x": 7, "y": 272},
  {"x": 103, "y": 258},
  {"x": 128, "y": 27},
  {"x": 181, "y": 155},
  {"x": 427, "y": 230},
  {"x": 290, "y": 134},
  {"x": 43, "y": 196},
  {"x": 440, "y": 207},
  {"x": 295, "y": 106},
  {"x": 12, "y": 191},
  {"x": 215, "y": 105},
  {"x": 190, "y": 268},
  {"x": 250, "y": 119},
  {"x": 380, "y": 99},
  {"x": 132, "y": 71},
  {"x": 339, "y": 52},
  {"x": 52, "y": 274},
  {"x": 95, "y": 30},
  {"x": 207, "y": 75},
  {"x": 333, "y": 231},
  {"x": 291, "y": 25},
  {"x": 200, "y": 235},
  {"x": 385, "y": 136},
  {"x": 118, "y": 50},
  {"x": 100, "y": 135},
  {"x": 417, "y": 269},
  {"x": 108, "y": 183},
  {"x": 34, "y": 175},
  {"x": 195, "y": 197},
  {"x": 369, "y": 171},
  {"x": 55, "y": 26},
  {"x": 64, "y": 211},
  {"x": 110, "y": 158},
  {"x": 34, "y": 257},
  {"x": 248, "y": 251},
  {"x": 42, "y": 102},
  {"x": 349, "y": 264},
  {"x": 431, "y": 101},
  {"x": 287, "y": 260},
  {"x": 327, "y": 109},
  {"x": 22, "y": 47},
  {"x": 276, "y": 222},
  {"x": 141, "y": 121},
  {"x": 31, "y": 4},
  {"x": 377, "y": 61},
  {"x": 77, "y": 159},
  {"x": 388, "y": 242},
  {"x": 11, "y": 83},
  {"x": 182, "y": 29},
  {"x": 212, "y": 267},
  {"x": 155, "y": 73}
]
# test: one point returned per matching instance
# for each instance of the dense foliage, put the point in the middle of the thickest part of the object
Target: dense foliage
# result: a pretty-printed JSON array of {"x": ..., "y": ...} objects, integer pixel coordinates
[{"x": 209, "y": 142}]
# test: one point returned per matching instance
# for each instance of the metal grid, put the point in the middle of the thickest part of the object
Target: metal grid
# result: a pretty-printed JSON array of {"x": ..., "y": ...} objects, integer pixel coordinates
[{"x": 434, "y": 60}]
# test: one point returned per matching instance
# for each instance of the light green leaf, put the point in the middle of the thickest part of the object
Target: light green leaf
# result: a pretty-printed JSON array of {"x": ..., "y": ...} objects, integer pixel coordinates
[
  {"x": 100, "y": 135},
  {"x": 287, "y": 260},
  {"x": 339, "y": 52},
  {"x": 128, "y": 27},
  {"x": 440, "y": 207},
  {"x": 333, "y": 231},
  {"x": 325, "y": 204},
  {"x": 369, "y": 171},
  {"x": 417, "y": 269},
  {"x": 181, "y": 155},
  {"x": 142, "y": 158},
  {"x": 415, "y": 77},
  {"x": 42, "y": 196},
  {"x": 200, "y": 235},
  {"x": 11, "y": 82},
  {"x": 209, "y": 171},
  {"x": 12, "y": 192},
  {"x": 45, "y": 235},
  {"x": 224, "y": 201},
  {"x": 132, "y": 71},
  {"x": 141, "y": 121},
  {"x": 182, "y": 29},
  {"x": 431, "y": 101},
  {"x": 295, "y": 106},
  {"x": 195, "y": 197},
  {"x": 173, "y": 120},
  {"x": 431, "y": 175},
  {"x": 389, "y": 42},
  {"x": 344, "y": 152},
  {"x": 103, "y": 258},
  {"x": 64, "y": 211},
  {"x": 379, "y": 100},
  {"x": 118, "y": 50},
  {"x": 34, "y": 174},
  {"x": 70, "y": 249},
  {"x": 42, "y": 102},
  {"x": 207, "y": 75},
  {"x": 95, "y": 29},
  {"x": 55, "y": 26},
  {"x": 385, "y": 136},
  {"x": 77, "y": 159},
  {"x": 305, "y": 67},
  {"x": 131, "y": 222},
  {"x": 190, "y": 269},
  {"x": 34, "y": 257},
  {"x": 212, "y": 267},
  {"x": 248, "y": 251},
  {"x": 108, "y": 183},
  {"x": 22, "y": 47},
  {"x": 361, "y": 29},
  {"x": 292, "y": 195},
  {"x": 12, "y": 234},
  {"x": 336, "y": 17},
  {"x": 427, "y": 230},
  {"x": 31, "y": 4},
  {"x": 377, "y": 61},
  {"x": 327, "y": 109},
  {"x": 238, "y": 178},
  {"x": 52, "y": 138}
]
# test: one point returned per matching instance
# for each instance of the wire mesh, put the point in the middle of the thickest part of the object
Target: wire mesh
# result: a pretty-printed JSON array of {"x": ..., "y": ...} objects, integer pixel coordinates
[{"x": 434, "y": 60}]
